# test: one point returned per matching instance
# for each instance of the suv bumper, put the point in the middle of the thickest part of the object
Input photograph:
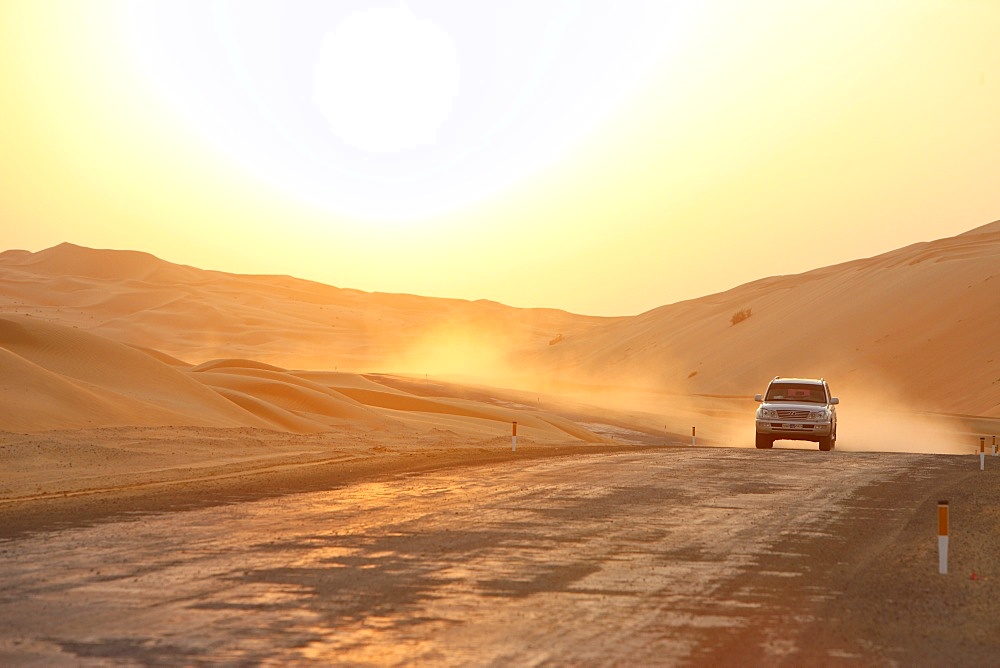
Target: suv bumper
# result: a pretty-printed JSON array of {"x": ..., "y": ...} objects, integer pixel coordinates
[{"x": 803, "y": 431}]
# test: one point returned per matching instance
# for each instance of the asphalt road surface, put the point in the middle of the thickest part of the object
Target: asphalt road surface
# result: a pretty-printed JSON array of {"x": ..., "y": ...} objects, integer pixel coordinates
[{"x": 667, "y": 556}]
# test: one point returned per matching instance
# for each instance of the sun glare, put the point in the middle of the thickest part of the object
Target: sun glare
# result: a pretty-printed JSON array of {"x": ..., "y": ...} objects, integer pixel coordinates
[
  {"x": 386, "y": 80},
  {"x": 397, "y": 113}
]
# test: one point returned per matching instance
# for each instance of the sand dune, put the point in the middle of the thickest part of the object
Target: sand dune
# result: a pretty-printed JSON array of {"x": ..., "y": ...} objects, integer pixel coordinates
[
  {"x": 34, "y": 398},
  {"x": 289, "y": 393},
  {"x": 57, "y": 377},
  {"x": 198, "y": 315},
  {"x": 915, "y": 327}
]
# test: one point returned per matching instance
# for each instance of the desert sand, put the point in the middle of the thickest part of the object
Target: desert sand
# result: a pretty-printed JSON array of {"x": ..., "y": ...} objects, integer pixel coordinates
[
  {"x": 915, "y": 326},
  {"x": 94, "y": 338},
  {"x": 101, "y": 339},
  {"x": 130, "y": 384}
]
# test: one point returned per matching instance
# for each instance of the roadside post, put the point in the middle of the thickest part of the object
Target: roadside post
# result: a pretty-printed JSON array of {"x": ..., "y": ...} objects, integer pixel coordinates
[
  {"x": 994, "y": 446},
  {"x": 692, "y": 436},
  {"x": 982, "y": 453},
  {"x": 943, "y": 537},
  {"x": 513, "y": 438}
]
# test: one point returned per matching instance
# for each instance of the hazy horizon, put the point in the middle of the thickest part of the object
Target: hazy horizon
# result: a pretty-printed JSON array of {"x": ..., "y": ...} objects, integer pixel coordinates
[{"x": 579, "y": 156}]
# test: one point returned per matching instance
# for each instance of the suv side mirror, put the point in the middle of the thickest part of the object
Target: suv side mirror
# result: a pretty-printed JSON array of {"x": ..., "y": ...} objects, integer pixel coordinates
[
  {"x": 834, "y": 400},
  {"x": 758, "y": 397}
]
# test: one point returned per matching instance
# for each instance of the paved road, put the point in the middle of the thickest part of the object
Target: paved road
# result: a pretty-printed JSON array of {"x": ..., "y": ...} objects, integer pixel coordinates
[{"x": 669, "y": 556}]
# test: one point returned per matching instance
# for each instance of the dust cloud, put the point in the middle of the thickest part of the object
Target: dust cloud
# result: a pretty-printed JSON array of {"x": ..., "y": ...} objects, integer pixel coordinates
[
  {"x": 867, "y": 421},
  {"x": 876, "y": 417},
  {"x": 457, "y": 352},
  {"x": 875, "y": 429},
  {"x": 873, "y": 416}
]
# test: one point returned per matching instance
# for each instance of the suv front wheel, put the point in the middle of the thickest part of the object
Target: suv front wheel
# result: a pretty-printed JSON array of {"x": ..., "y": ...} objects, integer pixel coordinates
[
  {"x": 765, "y": 442},
  {"x": 828, "y": 443}
]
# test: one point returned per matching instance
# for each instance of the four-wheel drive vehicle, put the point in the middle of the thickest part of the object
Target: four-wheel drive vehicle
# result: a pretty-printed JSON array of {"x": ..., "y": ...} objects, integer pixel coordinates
[{"x": 797, "y": 409}]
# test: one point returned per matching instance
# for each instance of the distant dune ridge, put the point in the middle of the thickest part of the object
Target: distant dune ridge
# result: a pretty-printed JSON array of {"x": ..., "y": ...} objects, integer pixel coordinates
[
  {"x": 198, "y": 315},
  {"x": 920, "y": 324},
  {"x": 103, "y": 337}
]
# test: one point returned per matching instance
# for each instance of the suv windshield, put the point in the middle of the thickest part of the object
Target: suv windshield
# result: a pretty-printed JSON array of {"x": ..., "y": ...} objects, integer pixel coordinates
[{"x": 795, "y": 392}]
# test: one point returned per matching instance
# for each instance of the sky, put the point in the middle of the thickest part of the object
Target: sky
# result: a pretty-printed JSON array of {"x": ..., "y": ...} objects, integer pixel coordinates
[{"x": 604, "y": 158}]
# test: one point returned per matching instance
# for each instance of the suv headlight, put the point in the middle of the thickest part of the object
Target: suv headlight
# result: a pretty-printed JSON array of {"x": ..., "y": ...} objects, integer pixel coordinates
[
  {"x": 823, "y": 415},
  {"x": 765, "y": 414}
]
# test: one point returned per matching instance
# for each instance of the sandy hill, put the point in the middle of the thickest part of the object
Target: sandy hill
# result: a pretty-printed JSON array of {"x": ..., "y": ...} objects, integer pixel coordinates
[
  {"x": 199, "y": 315},
  {"x": 58, "y": 377},
  {"x": 919, "y": 326}
]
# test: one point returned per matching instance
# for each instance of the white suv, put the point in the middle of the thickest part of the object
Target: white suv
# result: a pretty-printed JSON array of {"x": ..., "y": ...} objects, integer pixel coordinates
[{"x": 797, "y": 409}]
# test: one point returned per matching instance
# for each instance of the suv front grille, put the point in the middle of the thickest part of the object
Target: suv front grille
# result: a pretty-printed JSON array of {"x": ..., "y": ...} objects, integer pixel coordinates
[{"x": 793, "y": 415}]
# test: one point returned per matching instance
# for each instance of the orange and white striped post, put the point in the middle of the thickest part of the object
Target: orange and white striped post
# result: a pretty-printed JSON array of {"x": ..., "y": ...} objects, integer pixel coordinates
[
  {"x": 692, "y": 436},
  {"x": 943, "y": 537},
  {"x": 513, "y": 438},
  {"x": 982, "y": 453}
]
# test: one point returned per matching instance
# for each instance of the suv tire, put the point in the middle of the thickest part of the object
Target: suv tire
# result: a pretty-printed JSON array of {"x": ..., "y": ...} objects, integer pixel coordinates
[{"x": 764, "y": 442}]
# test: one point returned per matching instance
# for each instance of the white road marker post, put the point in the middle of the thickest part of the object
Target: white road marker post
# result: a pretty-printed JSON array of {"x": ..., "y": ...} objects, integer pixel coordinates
[
  {"x": 513, "y": 438},
  {"x": 982, "y": 453},
  {"x": 943, "y": 537},
  {"x": 692, "y": 436}
]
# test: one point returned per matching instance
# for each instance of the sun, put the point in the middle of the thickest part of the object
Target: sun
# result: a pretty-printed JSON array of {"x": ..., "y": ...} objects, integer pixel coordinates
[
  {"x": 383, "y": 114},
  {"x": 385, "y": 80}
]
